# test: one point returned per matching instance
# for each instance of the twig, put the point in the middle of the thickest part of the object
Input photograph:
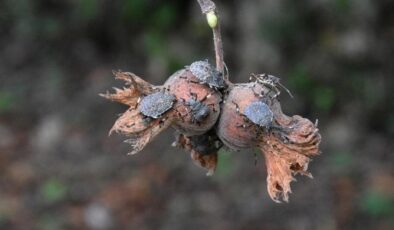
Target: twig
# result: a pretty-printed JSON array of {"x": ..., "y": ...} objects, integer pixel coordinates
[{"x": 208, "y": 8}]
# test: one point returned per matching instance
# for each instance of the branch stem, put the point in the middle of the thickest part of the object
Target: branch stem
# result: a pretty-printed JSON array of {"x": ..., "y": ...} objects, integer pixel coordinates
[
  {"x": 217, "y": 41},
  {"x": 209, "y": 7}
]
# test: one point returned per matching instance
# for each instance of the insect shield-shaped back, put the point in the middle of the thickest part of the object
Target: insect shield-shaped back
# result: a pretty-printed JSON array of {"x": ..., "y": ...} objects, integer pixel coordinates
[
  {"x": 154, "y": 105},
  {"x": 207, "y": 74},
  {"x": 198, "y": 98},
  {"x": 199, "y": 111},
  {"x": 259, "y": 113}
]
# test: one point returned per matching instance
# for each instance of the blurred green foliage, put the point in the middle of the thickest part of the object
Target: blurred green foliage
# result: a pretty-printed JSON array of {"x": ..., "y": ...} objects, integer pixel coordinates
[
  {"x": 324, "y": 98},
  {"x": 373, "y": 93},
  {"x": 342, "y": 5},
  {"x": 50, "y": 27},
  {"x": 4, "y": 214},
  {"x": 135, "y": 10},
  {"x": 164, "y": 17},
  {"x": 225, "y": 163},
  {"x": 300, "y": 80},
  {"x": 175, "y": 64},
  {"x": 87, "y": 9},
  {"x": 279, "y": 29},
  {"x": 155, "y": 43},
  {"x": 282, "y": 28},
  {"x": 6, "y": 101},
  {"x": 378, "y": 204},
  {"x": 156, "y": 36},
  {"x": 156, "y": 20},
  {"x": 341, "y": 160},
  {"x": 53, "y": 190},
  {"x": 49, "y": 222}
]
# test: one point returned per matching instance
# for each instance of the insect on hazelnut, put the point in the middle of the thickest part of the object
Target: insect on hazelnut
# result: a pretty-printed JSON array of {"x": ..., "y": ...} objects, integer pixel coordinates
[
  {"x": 198, "y": 98},
  {"x": 252, "y": 118}
]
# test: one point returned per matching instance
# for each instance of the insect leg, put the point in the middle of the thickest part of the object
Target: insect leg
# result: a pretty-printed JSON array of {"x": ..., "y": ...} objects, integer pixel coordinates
[{"x": 236, "y": 106}]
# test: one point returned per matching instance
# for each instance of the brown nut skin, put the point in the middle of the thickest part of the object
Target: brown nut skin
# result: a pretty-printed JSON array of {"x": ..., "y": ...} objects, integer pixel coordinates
[
  {"x": 187, "y": 91},
  {"x": 183, "y": 85},
  {"x": 234, "y": 129},
  {"x": 287, "y": 144}
]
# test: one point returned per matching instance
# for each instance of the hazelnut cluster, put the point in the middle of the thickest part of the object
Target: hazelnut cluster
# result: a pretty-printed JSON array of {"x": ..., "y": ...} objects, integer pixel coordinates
[{"x": 209, "y": 112}]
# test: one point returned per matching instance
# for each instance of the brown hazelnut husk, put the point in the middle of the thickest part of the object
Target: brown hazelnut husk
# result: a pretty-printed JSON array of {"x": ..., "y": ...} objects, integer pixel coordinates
[
  {"x": 287, "y": 142},
  {"x": 183, "y": 102},
  {"x": 234, "y": 129},
  {"x": 193, "y": 108},
  {"x": 190, "y": 94}
]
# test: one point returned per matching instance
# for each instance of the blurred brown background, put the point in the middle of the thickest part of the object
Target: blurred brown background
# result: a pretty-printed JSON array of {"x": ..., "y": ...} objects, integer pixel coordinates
[{"x": 59, "y": 170}]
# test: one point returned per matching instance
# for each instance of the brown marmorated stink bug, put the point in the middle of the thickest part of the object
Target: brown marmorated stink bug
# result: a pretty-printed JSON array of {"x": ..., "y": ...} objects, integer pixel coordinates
[{"x": 154, "y": 105}]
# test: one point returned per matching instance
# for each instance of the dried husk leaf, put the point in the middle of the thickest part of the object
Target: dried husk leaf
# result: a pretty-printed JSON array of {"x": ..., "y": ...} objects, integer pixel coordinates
[
  {"x": 139, "y": 141},
  {"x": 132, "y": 123},
  {"x": 203, "y": 151},
  {"x": 287, "y": 152},
  {"x": 129, "y": 96}
]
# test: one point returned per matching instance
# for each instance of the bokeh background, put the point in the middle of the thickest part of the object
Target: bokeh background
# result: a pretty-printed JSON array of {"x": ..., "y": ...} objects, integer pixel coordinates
[{"x": 59, "y": 170}]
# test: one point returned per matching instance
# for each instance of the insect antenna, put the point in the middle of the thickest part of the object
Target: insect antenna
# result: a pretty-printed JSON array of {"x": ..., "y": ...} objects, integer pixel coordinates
[{"x": 286, "y": 89}]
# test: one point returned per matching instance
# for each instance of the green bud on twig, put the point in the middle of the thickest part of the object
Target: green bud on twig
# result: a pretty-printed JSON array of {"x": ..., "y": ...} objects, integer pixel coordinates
[{"x": 212, "y": 19}]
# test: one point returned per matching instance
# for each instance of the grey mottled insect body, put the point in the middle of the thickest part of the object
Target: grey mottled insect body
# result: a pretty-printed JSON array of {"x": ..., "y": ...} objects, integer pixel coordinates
[
  {"x": 199, "y": 110},
  {"x": 206, "y": 73},
  {"x": 154, "y": 105},
  {"x": 259, "y": 113}
]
